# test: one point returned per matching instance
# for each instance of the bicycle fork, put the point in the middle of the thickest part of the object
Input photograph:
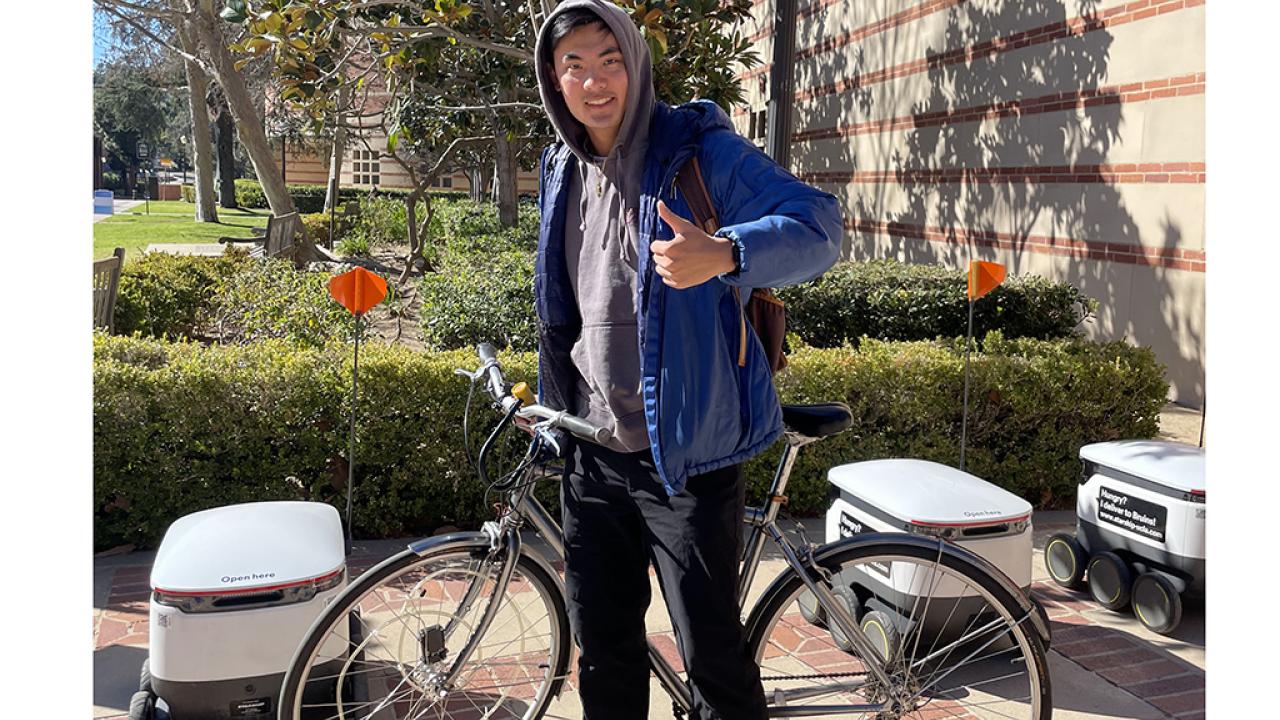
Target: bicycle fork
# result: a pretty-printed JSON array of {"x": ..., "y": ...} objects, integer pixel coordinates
[{"x": 504, "y": 549}]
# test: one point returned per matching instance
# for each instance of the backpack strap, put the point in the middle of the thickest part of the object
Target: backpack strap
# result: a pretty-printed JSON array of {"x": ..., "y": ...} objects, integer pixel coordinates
[
  {"x": 763, "y": 309},
  {"x": 694, "y": 189}
]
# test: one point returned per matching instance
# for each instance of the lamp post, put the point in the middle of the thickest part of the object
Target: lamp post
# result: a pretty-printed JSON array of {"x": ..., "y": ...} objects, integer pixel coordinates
[{"x": 781, "y": 92}]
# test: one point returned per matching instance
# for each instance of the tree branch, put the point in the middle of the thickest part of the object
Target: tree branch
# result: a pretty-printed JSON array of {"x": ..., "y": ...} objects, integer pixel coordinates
[
  {"x": 479, "y": 108},
  {"x": 162, "y": 14},
  {"x": 442, "y": 31},
  {"x": 143, "y": 29},
  {"x": 449, "y": 151}
]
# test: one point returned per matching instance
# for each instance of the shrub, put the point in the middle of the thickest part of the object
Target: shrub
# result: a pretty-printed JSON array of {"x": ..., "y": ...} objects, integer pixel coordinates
[
  {"x": 165, "y": 295},
  {"x": 353, "y": 247},
  {"x": 249, "y": 194},
  {"x": 381, "y": 221},
  {"x": 232, "y": 298},
  {"x": 472, "y": 228},
  {"x": 483, "y": 298},
  {"x": 317, "y": 226},
  {"x": 310, "y": 198},
  {"x": 189, "y": 193},
  {"x": 890, "y": 300},
  {"x": 179, "y": 427},
  {"x": 269, "y": 298}
]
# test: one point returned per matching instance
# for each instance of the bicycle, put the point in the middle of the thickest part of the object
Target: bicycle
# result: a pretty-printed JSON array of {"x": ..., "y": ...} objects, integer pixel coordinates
[{"x": 473, "y": 624}]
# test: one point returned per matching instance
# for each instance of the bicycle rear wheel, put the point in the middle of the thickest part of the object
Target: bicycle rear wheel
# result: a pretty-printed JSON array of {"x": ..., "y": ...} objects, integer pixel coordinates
[
  {"x": 384, "y": 648},
  {"x": 960, "y": 644}
]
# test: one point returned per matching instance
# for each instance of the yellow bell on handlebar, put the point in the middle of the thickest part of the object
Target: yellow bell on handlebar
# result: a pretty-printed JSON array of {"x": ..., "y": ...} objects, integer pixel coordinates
[{"x": 522, "y": 391}]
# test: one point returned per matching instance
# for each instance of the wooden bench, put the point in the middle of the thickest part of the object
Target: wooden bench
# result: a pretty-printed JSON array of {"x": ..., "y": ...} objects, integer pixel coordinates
[
  {"x": 278, "y": 241},
  {"x": 106, "y": 284}
]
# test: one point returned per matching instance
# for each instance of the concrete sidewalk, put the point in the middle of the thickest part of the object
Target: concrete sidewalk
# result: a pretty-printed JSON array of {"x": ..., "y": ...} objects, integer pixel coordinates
[
  {"x": 117, "y": 207},
  {"x": 1102, "y": 664}
]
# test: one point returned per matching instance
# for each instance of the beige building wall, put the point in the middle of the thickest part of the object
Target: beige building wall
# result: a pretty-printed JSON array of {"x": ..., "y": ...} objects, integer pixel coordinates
[
  {"x": 361, "y": 167},
  {"x": 1061, "y": 138}
]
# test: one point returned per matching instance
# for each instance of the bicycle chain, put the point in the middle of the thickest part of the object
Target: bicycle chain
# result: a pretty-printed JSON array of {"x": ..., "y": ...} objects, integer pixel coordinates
[{"x": 818, "y": 676}]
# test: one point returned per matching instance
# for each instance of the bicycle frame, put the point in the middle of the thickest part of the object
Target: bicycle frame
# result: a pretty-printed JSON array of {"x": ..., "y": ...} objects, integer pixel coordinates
[{"x": 504, "y": 535}]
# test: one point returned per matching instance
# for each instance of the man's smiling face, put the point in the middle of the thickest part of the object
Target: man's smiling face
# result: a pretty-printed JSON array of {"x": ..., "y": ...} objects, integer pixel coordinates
[{"x": 592, "y": 77}]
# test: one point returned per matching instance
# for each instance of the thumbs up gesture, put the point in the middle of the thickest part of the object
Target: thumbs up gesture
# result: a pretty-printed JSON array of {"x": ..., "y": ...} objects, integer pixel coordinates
[{"x": 692, "y": 257}]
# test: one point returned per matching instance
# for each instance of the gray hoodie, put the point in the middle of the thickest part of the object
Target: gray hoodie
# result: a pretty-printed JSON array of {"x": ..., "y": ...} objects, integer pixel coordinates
[{"x": 601, "y": 229}]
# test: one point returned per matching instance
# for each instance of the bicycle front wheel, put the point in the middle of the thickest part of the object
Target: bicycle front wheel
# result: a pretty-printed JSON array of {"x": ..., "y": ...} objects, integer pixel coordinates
[
  {"x": 387, "y": 647},
  {"x": 951, "y": 639}
]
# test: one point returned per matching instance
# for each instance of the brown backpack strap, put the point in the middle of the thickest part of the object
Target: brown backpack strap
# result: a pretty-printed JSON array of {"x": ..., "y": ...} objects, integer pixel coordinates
[{"x": 694, "y": 189}]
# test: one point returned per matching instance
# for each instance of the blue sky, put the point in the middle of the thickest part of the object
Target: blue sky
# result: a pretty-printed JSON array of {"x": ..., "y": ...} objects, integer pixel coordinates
[{"x": 101, "y": 36}]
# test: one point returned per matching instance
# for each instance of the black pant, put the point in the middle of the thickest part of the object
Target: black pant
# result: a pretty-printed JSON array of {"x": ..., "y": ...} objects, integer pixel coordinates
[{"x": 618, "y": 519}]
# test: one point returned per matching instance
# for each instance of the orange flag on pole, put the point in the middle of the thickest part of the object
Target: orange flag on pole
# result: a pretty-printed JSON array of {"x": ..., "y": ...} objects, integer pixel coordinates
[
  {"x": 984, "y": 277},
  {"x": 357, "y": 290}
]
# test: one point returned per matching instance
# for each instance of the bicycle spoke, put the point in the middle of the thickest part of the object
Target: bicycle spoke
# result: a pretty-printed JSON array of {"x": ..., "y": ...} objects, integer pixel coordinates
[
  {"x": 396, "y": 634},
  {"x": 950, "y": 626}
]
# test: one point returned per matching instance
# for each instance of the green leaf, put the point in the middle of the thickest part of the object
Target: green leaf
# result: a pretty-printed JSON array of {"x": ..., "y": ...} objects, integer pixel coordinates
[
  {"x": 233, "y": 11},
  {"x": 393, "y": 139}
]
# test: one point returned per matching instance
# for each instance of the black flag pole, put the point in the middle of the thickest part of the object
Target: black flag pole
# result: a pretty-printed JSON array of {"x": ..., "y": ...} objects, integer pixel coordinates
[
  {"x": 964, "y": 418},
  {"x": 358, "y": 290},
  {"x": 351, "y": 444}
]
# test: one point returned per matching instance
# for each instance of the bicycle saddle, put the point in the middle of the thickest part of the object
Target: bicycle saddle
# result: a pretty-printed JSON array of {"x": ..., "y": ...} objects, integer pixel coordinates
[{"x": 819, "y": 420}]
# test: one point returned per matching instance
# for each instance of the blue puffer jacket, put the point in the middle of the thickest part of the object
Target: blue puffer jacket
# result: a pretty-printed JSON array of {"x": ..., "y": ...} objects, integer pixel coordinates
[{"x": 705, "y": 409}]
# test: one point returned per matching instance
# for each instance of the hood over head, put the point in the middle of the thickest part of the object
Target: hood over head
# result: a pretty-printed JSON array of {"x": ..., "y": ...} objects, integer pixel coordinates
[{"x": 636, "y": 60}]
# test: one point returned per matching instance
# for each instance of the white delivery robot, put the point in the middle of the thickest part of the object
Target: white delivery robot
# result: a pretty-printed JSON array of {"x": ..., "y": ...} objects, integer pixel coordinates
[
  {"x": 1140, "y": 529},
  {"x": 923, "y": 498},
  {"x": 234, "y": 590}
]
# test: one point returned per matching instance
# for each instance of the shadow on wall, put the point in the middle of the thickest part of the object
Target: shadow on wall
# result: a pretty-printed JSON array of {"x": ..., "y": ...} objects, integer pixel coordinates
[{"x": 943, "y": 173}]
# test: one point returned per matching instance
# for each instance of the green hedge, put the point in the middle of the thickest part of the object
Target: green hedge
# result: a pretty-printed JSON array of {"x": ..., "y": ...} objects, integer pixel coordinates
[
  {"x": 890, "y": 300},
  {"x": 179, "y": 427},
  {"x": 883, "y": 299},
  {"x": 1033, "y": 404},
  {"x": 310, "y": 198},
  {"x": 167, "y": 295}
]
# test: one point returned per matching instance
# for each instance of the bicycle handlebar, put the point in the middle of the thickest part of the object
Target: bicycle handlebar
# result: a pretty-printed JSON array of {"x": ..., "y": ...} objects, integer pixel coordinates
[{"x": 555, "y": 418}]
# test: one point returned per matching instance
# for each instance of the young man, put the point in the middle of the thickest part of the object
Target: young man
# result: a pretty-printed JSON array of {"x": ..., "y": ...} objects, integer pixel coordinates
[{"x": 641, "y": 330}]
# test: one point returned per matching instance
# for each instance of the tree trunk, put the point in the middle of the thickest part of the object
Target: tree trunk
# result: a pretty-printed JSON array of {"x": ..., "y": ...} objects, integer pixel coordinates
[
  {"x": 198, "y": 87},
  {"x": 505, "y": 169},
  {"x": 224, "y": 140},
  {"x": 417, "y": 232},
  {"x": 337, "y": 151},
  {"x": 479, "y": 179},
  {"x": 248, "y": 121},
  {"x": 505, "y": 176}
]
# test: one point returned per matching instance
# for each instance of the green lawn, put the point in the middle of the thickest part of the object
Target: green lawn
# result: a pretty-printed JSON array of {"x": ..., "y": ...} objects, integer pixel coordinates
[{"x": 170, "y": 221}]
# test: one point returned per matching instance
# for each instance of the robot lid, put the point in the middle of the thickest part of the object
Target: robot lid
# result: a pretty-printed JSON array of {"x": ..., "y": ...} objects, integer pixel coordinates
[
  {"x": 250, "y": 546},
  {"x": 1177, "y": 466},
  {"x": 928, "y": 493}
]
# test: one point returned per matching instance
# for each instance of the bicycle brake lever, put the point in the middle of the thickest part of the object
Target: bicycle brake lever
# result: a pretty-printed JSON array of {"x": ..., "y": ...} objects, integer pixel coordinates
[{"x": 544, "y": 431}]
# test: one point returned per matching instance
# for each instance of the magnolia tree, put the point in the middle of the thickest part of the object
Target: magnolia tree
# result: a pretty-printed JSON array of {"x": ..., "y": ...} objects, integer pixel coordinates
[{"x": 441, "y": 86}]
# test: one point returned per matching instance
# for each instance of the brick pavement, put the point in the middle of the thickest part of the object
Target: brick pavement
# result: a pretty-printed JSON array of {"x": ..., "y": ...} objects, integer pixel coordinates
[{"x": 1111, "y": 648}]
